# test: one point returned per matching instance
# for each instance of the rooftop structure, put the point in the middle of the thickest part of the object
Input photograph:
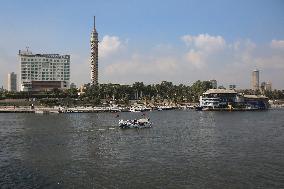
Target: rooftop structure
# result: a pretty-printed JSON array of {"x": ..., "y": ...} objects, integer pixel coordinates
[
  {"x": 44, "y": 71},
  {"x": 255, "y": 97},
  {"x": 220, "y": 91}
]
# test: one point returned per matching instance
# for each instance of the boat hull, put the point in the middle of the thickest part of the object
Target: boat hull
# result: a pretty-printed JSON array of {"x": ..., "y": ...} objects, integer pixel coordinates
[{"x": 138, "y": 124}]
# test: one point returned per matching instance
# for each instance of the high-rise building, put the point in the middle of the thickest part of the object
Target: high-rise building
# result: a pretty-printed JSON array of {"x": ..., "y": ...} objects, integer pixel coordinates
[
  {"x": 213, "y": 83},
  {"x": 266, "y": 86},
  {"x": 255, "y": 80},
  {"x": 12, "y": 82},
  {"x": 94, "y": 55},
  {"x": 42, "y": 72}
]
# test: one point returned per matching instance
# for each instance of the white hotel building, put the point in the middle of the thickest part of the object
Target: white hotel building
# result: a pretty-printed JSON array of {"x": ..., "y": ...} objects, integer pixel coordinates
[{"x": 43, "y": 72}]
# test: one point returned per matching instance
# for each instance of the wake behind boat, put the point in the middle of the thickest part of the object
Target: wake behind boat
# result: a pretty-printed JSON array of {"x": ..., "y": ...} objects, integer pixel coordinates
[{"x": 136, "y": 123}]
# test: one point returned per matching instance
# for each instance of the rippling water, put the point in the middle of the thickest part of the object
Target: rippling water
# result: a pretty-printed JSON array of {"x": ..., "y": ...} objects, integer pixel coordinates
[{"x": 184, "y": 149}]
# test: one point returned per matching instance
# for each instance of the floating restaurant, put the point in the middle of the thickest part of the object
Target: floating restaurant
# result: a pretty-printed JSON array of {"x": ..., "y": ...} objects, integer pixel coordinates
[{"x": 224, "y": 99}]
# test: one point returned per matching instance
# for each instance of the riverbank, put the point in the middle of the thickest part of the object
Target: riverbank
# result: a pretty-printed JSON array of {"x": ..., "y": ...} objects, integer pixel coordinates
[
  {"x": 84, "y": 109},
  {"x": 111, "y": 109}
]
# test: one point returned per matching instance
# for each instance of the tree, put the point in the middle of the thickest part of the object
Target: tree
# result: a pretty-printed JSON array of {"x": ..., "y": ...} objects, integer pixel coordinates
[
  {"x": 198, "y": 88},
  {"x": 138, "y": 88}
]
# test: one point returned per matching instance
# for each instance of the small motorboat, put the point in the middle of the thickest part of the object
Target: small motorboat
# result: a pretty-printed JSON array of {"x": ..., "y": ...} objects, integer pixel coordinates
[{"x": 136, "y": 123}]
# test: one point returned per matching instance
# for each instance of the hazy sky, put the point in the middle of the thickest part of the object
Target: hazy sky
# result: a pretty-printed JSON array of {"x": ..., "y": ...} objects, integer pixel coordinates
[{"x": 151, "y": 40}]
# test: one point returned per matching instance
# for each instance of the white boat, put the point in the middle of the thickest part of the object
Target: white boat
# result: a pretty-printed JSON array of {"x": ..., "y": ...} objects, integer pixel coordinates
[
  {"x": 139, "y": 109},
  {"x": 39, "y": 112},
  {"x": 160, "y": 108},
  {"x": 42, "y": 112},
  {"x": 135, "y": 109},
  {"x": 136, "y": 123}
]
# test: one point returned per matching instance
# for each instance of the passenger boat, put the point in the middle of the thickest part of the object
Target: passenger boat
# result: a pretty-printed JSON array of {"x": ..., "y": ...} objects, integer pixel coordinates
[{"x": 136, "y": 123}]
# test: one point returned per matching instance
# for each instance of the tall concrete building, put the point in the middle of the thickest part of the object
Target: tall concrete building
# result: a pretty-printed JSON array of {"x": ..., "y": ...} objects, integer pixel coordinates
[
  {"x": 94, "y": 55},
  {"x": 12, "y": 82},
  {"x": 255, "y": 80},
  {"x": 43, "y": 72}
]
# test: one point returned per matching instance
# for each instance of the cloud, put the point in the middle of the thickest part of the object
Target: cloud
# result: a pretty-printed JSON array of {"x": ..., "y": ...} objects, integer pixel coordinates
[
  {"x": 205, "y": 42},
  {"x": 272, "y": 62},
  {"x": 204, "y": 57},
  {"x": 201, "y": 47},
  {"x": 243, "y": 51},
  {"x": 277, "y": 44},
  {"x": 196, "y": 58},
  {"x": 141, "y": 68},
  {"x": 109, "y": 45}
]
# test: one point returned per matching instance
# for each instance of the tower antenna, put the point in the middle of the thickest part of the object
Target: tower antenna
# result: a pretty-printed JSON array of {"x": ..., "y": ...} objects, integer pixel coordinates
[{"x": 94, "y": 22}]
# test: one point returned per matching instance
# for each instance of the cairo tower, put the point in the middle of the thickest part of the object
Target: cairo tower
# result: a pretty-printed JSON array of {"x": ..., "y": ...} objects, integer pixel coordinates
[{"x": 94, "y": 55}]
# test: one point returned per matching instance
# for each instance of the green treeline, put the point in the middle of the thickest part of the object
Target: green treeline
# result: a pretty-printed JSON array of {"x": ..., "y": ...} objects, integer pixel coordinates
[
  {"x": 119, "y": 93},
  {"x": 94, "y": 95},
  {"x": 139, "y": 91}
]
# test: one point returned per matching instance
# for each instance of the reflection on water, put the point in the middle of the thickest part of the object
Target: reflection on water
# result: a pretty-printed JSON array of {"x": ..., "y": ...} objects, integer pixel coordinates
[{"x": 184, "y": 149}]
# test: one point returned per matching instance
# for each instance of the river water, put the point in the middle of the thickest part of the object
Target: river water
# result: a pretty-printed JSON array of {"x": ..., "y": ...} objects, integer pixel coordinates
[{"x": 183, "y": 149}]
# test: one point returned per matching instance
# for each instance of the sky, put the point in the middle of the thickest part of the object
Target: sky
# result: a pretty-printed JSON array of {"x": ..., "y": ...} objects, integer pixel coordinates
[{"x": 151, "y": 40}]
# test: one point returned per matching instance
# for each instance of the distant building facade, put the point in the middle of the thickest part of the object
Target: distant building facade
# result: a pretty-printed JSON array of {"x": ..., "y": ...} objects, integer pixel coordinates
[
  {"x": 12, "y": 82},
  {"x": 232, "y": 86},
  {"x": 43, "y": 72},
  {"x": 73, "y": 86},
  {"x": 255, "y": 80},
  {"x": 213, "y": 83},
  {"x": 266, "y": 86},
  {"x": 94, "y": 55}
]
